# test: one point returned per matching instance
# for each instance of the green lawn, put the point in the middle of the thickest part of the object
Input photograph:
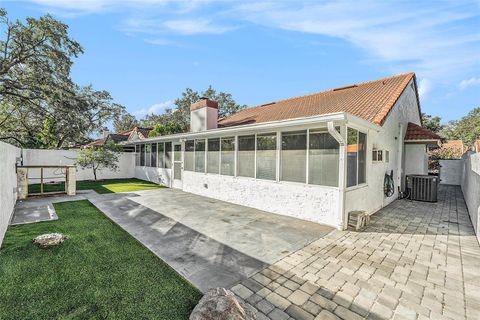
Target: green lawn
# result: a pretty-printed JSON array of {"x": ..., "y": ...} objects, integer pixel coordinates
[
  {"x": 103, "y": 186},
  {"x": 99, "y": 272}
]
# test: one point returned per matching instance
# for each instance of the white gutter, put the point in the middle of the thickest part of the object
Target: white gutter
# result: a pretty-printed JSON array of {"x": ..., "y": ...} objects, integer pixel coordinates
[{"x": 339, "y": 116}]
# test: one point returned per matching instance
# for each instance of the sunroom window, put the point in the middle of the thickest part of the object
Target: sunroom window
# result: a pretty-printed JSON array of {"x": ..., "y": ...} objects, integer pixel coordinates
[
  {"x": 137, "y": 155},
  {"x": 188, "y": 155},
  {"x": 160, "y": 160},
  {"x": 153, "y": 162},
  {"x": 246, "y": 156},
  {"x": 323, "y": 159},
  {"x": 227, "y": 161},
  {"x": 294, "y": 156},
  {"x": 168, "y": 155},
  {"x": 267, "y": 156},
  {"x": 148, "y": 151},
  {"x": 142, "y": 155},
  {"x": 200, "y": 155},
  {"x": 213, "y": 155},
  {"x": 356, "y": 157}
]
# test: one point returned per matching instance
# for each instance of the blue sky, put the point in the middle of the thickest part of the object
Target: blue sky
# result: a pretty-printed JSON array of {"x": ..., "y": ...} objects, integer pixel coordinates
[{"x": 146, "y": 52}]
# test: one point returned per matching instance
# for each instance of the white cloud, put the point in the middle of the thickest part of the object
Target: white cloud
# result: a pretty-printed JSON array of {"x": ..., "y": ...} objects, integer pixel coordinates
[
  {"x": 157, "y": 108},
  {"x": 179, "y": 26},
  {"x": 195, "y": 26},
  {"x": 469, "y": 83},
  {"x": 435, "y": 41},
  {"x": 424, "y": 86}
]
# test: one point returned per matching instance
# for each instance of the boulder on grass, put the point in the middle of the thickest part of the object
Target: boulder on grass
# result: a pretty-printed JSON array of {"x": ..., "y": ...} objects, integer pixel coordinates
[
  {"x": 49, "y": 240},
  {"x": 221, "y": 304}
]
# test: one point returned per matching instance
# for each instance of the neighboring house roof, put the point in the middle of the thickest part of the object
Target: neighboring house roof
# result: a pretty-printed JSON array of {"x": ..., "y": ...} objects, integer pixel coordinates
[
  {"x": 141, "y": 133},
  {"x": 370, "y": 100},
  {"x": 98, "y": 142},
  {"x": 115, "y": 137},
  {"x": 418, "y": 133},
  {"x": 456, "y": 145}
]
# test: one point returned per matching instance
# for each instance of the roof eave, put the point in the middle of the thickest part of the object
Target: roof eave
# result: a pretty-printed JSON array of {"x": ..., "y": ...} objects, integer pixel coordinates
[{"x": 338, "y": 116}]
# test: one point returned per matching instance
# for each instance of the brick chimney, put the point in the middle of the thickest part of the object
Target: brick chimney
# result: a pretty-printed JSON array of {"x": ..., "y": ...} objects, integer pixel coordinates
[{"x": 203, "y": 115}]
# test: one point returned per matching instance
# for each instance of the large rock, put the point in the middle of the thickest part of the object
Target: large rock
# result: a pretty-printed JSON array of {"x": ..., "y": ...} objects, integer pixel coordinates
[
  {"x": 49, "y": 240},
  {"x": 221, "y": 304}
]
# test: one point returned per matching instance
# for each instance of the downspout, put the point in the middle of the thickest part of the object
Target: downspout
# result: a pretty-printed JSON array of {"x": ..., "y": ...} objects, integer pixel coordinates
[
  {"x": 401, "y": 163},
  {"x": 341, "y": 173}
]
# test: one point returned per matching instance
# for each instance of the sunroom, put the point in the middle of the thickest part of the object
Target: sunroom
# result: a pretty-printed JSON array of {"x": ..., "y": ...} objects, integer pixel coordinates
[{"x": 296, "y": 167}]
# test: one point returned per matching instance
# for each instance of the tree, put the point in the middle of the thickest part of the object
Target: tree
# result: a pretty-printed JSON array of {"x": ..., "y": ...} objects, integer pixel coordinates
[
  {"x": 165, "y": 129},
  {"x": 94, "y": 158},
  {"x": 432, "y": 123},
  {"x": 40, "y": 106},
  {"x": 125, "y": 122},
  {"x": 466, "y": 129},
  {"x": 181, "y": 114}
]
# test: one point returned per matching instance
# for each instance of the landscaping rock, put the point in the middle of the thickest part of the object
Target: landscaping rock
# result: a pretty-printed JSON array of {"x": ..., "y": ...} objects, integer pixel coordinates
[
  {"x": 221, "y": 304},
  {"x": 49, "y": 240}
]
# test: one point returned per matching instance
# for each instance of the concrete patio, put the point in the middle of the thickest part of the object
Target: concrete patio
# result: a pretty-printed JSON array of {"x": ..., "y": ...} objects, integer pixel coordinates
[{"x": 415, "y": 260}]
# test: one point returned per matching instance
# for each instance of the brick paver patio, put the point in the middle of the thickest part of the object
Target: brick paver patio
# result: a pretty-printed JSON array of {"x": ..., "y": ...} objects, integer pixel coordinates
[{"x": 414, "y": 261}]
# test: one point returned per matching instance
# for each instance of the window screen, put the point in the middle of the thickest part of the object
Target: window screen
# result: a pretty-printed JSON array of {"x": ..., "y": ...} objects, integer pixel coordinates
[
  {"x": 154, "y": 155},
  {"x": 142, "y": 155},
  {"x": 213, "y": 155},
  {"x": 352, "y": 156},
  {"x": 148, "y": 155},
  {"x": 362, "y": 157},
  {"x": 137, "y": 155},
  {"x": 323, "y": 159},
  {"x": 188, "y": 155},
  {"x": 294, "y": 156},
  {"x": 168, "y": 155},
  {"x": 227, "y": 161},
  {"x": 160, "y": 148},
  {"x": 200, "y": 155},
  {"x": 267, "y": 156},
  {"x": 356, "y": 157},
  {"x": 246, "y": 156}
]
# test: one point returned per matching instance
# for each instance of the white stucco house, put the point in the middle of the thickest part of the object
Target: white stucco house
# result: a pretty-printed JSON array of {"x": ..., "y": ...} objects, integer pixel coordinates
[{"x": 314, "y": 157}]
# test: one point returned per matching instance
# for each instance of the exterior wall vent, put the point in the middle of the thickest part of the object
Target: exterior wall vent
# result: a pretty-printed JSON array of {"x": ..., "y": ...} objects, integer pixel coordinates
[{"x": 422, "y": 187}]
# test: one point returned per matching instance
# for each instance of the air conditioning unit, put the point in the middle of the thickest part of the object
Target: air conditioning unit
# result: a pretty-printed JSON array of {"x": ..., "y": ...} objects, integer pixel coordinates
[{"x": 422, "y": 187}]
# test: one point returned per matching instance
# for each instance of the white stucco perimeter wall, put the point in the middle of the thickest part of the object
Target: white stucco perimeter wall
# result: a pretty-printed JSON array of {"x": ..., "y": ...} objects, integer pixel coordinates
[
  {"x": 31, "y": 157},
  {"x": 314, "y": 203},
  {"x": 8, "y": 197},
  {"x": 451, "y": 171},
  {"x": 471, "y": 188}
]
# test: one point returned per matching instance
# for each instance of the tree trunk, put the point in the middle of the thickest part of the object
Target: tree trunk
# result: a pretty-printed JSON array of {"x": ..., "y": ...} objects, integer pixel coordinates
[{"x": 95, "y": 173}]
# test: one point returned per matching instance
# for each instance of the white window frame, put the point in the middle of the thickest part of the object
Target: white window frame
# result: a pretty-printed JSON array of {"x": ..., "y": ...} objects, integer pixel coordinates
[{"x": 363, "y": 184}]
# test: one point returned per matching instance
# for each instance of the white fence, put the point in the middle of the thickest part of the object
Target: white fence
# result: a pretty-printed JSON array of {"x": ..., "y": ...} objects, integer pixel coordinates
[
  {"x": 32, "y": 157},
  {"x": 8, "y": 184},
  {"x": 471, "y": 188},
  {"x": 8, "y": 176},
  {"x": 451, "y": 171},
  {"x": 465, "y": 172}
]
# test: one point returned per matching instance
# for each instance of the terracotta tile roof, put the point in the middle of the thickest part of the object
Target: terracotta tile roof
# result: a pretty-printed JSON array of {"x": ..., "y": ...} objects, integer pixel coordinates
[
  {"x": 371, "y": 101},
  {"x": 115, "y": 137},
  {"x": 416, "y": 132},
  {"x": 456, "y": 145},
  {"x": 97, "y": 142}
]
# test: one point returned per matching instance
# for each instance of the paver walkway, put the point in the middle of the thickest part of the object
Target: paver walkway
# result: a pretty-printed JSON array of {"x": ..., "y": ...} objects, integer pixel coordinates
[{"x": 414, "y": 261}]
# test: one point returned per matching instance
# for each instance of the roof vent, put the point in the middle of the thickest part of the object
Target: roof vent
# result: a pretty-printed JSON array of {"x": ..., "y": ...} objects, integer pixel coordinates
[
  {"x": 267, "y": 104},
  {"x": 346, "y": 87}
]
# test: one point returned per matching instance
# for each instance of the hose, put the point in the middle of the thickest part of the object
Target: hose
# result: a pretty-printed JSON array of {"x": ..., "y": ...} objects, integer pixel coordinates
[{"x": 388, "y": 185}]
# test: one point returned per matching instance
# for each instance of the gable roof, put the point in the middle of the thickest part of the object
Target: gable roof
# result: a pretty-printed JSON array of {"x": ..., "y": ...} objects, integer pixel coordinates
[
  {"x": 370, "y": 100},
  {"x": 418, "y": 133}
]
